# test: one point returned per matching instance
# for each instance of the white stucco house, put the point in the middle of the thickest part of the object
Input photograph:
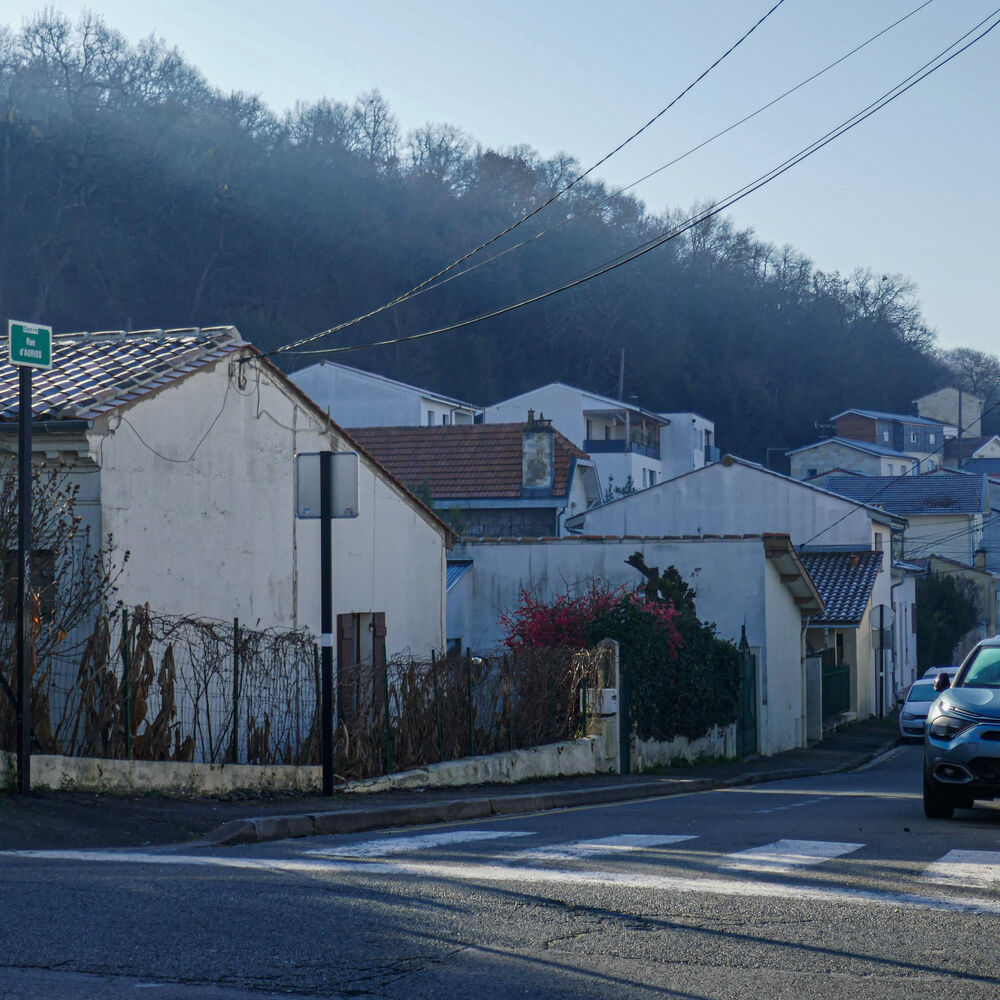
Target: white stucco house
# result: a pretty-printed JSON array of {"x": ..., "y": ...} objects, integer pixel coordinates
[
  {"x": 183, "y": 444},
  {"x": 356, "y": 398},
  {"x": 734, "y": 496},
  {"x": 627, "y": 443},
  {"x": 754, "y": 582}
]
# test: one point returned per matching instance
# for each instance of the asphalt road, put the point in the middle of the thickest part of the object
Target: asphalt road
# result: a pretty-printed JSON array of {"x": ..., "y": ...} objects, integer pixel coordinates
[{"x": 832, "y": 886}]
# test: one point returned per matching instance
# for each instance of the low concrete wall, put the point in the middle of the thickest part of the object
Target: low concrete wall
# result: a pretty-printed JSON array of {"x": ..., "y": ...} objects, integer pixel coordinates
[
  {"x": 651, "y": 753},
  {"x": 136, "y": 777}
]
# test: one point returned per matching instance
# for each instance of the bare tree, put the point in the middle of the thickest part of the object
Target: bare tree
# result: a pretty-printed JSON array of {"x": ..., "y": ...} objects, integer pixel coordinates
[
  {"x": 442, "y": 152},
  {"x": 974, "y": 370},
  {"x": 377, "y": 129}
]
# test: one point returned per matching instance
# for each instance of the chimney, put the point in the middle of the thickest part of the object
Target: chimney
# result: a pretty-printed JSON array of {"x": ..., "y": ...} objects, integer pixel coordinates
[{"x": 538, "y": 456}]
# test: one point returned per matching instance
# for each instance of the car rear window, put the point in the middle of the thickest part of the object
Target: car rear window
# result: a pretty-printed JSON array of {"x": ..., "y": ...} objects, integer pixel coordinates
[
  {"x": 922, "y": 692},
  {"x": 984, "y": 670}
]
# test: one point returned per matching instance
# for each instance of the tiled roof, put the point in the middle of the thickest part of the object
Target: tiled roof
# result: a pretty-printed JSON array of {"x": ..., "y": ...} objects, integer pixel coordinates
[
  {"x": 462, "y": 462},
  {"x": 94, "y": 373},
  {"x": 982, "y": 466},
  {"x": 865, "y": 446},
  {"x": 970, "y": 445},
  {"x": 903, "y": 418},
  {"x": 905, "y": 495},
  {"x": 844, "y": 581}
]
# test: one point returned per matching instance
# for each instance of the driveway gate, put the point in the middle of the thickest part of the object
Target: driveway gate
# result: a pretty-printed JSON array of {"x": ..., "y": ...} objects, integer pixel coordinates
[{"x": 836, "y": 685}]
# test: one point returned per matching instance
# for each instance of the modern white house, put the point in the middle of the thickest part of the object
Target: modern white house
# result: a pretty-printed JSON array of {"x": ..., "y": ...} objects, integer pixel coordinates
[
  {"x": 686, "y": 443},
  {"x": 631, "y": 446},
  {"x": 184, "y": 446},
  {"x": 752, "y": 582},
  {"x": 735, "y": 497},
  {"x": 356, "y": 398}
]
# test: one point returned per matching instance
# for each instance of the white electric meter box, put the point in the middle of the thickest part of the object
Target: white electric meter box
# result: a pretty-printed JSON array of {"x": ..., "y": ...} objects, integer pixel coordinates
[
  {"x": 602, "y": 701},
  {"x": 344, "y": 492}
]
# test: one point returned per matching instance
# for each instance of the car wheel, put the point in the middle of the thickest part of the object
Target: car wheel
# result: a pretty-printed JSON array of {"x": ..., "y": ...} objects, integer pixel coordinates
[{"x": 937, "y": 805}]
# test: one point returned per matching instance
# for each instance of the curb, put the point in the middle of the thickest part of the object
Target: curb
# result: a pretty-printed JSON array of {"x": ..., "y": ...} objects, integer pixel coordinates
[{"x": 267, "y": 828}]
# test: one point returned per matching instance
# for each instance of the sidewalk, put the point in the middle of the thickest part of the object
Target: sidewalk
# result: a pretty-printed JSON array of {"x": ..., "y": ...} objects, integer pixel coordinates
[{"x": 62, "y": 821}]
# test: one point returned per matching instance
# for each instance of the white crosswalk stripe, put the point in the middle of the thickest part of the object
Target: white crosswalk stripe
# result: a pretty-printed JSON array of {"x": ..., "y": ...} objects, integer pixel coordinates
[
  {"x": 972, "y": 869},
  {"x": 404, "y": 845},
  {"x": 624, "y": 843},
  {"x": 786, "y": 855}
]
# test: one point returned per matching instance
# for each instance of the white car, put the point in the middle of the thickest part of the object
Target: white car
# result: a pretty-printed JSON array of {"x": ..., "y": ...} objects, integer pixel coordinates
[{"x": 920, "y": 697}]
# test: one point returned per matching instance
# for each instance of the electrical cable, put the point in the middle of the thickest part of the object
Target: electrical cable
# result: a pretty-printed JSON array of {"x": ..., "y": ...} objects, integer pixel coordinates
[
  {"x": 664, "y": 237},
  {"x": 600, "y": 203},
  {"x": 558, "y": 194},
  {"x": 181, "y": 461}
]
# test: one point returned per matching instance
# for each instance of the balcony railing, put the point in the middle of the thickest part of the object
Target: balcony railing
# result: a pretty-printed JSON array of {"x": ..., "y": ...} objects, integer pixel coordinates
[
  {"x": 603, "y": 446},
  {"x": 711, "y": 454}
]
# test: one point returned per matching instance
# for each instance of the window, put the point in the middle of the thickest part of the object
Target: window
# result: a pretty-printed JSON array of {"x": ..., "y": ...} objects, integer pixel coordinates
[
  {"x": 590, "y": 430},
  {"x": 931, "y": 438},
  {"x": 913, "y": 437},
  {"x": 430, "y": 418},
  {"x": 878, "y": 541},
  {"x": 444, "y": 419},
  {"x": 811, "y": 473},
  {"x": 885, "y": 435}
]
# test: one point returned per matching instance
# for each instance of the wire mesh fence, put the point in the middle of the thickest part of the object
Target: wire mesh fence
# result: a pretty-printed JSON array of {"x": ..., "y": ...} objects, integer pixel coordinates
[
  {"x": 160, "y": 687},
  {"x": 145, "y": 686},
  {"x": 415, "y": 712}
]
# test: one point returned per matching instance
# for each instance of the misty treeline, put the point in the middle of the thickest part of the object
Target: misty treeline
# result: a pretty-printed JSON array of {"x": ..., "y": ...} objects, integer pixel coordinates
[{"x": 134, "y": 195}]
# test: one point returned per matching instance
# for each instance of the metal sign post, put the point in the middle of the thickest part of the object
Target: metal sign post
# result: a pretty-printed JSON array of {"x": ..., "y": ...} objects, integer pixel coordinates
[
  {"x": 29, "y": 346},
  {"x": 326, "y": 486},
  {"x": 326, "y": 614}
]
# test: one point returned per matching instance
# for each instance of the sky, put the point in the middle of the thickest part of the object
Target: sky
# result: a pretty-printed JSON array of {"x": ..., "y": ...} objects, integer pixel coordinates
[{"x": 911, "y": 191}]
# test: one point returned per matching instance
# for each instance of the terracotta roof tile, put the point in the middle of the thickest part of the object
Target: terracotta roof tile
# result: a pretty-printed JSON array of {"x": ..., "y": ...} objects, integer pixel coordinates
[{"x": 462, "y": 462}]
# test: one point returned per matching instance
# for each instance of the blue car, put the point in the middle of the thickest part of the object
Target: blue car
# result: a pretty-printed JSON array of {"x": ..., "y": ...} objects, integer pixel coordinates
[{"x": 962, "y": 739}]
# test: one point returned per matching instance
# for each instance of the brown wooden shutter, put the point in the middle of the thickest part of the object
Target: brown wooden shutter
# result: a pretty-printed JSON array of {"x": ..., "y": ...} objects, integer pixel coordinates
[{"x": 346, "y": 672}]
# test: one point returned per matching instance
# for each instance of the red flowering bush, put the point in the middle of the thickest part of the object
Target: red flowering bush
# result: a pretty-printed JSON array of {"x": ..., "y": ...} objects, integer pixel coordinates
[
  {"x": 681, "y": 678},
  {"x": 568, "y": 621}
]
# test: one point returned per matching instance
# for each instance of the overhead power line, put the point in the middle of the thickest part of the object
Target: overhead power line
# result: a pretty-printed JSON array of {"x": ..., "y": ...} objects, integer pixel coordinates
[
  {"x": 869, "y": 502},
  {"x": 610, "y": 197},
  {"x": 558, "y": 194},
  {"x": 926, "y": 70}
]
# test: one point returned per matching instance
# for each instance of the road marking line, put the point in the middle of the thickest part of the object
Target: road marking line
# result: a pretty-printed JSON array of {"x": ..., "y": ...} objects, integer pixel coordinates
[
  {"x": 624, "y": 843},
  {"x": 508, "y": 873},
  {"x": 786, "y": 855},
  {"x": 794, "y": 805},
  {"x": 977, "y": 869},
  {"x": 881, "y": 759},
  {"x": 403, "y": 845}
]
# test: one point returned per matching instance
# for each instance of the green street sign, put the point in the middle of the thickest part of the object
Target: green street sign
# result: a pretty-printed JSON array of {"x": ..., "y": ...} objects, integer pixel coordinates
[{"x": 30, "y": 344}]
